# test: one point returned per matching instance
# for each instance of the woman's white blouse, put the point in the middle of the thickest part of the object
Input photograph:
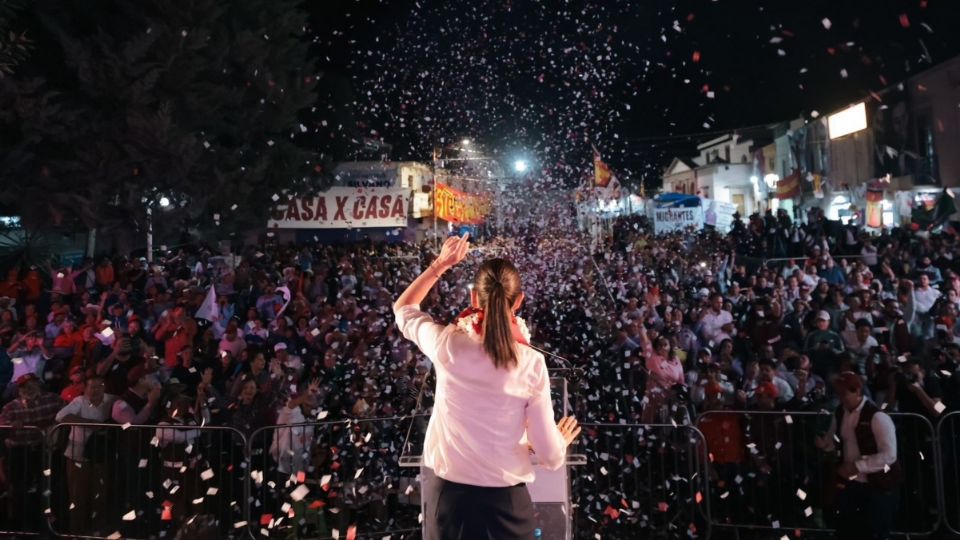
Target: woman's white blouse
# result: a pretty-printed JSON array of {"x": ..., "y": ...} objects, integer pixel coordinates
[{"x": 483, "y": 416}]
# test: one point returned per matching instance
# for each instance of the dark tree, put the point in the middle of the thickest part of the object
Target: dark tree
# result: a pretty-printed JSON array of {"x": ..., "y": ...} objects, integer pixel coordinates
[
  {"x": 14, "y": 44},
  {"x": 193, "y": 100}
]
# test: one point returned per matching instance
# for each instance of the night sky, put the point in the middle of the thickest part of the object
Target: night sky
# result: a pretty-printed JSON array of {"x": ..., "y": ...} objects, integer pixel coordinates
[{"x": 548, "y": 79}]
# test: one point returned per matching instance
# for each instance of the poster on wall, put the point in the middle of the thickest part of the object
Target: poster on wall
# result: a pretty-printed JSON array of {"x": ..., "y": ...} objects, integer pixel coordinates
[
  {"x": 457, "y": 206},
  {"x": 666, "y": 220},
  {"x": 343, "y": 208}
]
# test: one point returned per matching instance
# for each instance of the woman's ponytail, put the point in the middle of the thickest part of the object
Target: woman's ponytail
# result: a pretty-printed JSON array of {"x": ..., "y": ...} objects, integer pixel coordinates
[
  {"x": 497, "y": 334},
  {"x": 498, "y": 287}
]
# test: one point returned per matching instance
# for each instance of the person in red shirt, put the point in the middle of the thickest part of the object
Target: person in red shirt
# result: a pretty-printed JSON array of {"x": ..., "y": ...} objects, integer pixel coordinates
[
  {"x": 78, "y": 379},
  {"x": 12, "y": 287},
  {"x": 105, "y": 275},
  {"x": 723, "y": 433},
  {"x": 176, "y": 331},
  {"x": 722, "y": 430},
  {"x": 32, "y": 285},
  {"x": 69, "y": 343}
]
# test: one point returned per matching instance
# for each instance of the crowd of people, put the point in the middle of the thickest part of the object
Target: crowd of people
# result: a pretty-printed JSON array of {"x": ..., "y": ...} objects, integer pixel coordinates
[{"x": 656, "y": 330}]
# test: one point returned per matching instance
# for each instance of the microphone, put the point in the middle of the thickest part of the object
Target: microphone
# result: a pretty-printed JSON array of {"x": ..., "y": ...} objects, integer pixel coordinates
[{"x": 565, "y": 364}]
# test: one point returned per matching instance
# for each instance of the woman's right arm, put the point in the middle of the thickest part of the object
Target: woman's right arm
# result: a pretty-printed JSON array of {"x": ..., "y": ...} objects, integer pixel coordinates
[
  {"x": 546, "y": 439},
  {"x": 414, "y": 324}
]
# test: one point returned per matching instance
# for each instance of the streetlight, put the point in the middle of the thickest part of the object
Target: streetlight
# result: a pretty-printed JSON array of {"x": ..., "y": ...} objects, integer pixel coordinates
[
  {"x": 163, "y": 202},
  {"x": 520, "y": 166}
]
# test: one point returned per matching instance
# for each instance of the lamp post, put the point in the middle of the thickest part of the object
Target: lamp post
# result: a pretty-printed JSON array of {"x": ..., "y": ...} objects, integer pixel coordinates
[{"x": 164, "y": 202}]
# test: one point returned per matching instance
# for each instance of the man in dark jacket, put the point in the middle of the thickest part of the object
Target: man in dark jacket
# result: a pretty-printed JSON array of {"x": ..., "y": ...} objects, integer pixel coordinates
[{"x": 868, "y": 472}]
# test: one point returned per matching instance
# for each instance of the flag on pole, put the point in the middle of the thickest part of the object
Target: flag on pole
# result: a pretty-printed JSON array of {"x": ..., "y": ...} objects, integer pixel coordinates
[
  {"x": 789, "y": 187},
  {"x": 285, "y": 292},
  {"x": 606, "y": 183},
  {"x": 208, "y": 309},
  {"x": 602, "y": 174}
]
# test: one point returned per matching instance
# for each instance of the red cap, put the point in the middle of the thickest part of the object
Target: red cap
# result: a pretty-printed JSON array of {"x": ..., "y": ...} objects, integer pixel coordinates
[
  {"x": 767, "y": 389},
  {"x": 848, "y": 381},
  {"x": 24, "y": 379}
]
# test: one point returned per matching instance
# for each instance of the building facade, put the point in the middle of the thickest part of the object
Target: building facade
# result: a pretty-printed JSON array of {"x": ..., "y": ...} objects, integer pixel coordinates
[{"x": 723, "y": 170}]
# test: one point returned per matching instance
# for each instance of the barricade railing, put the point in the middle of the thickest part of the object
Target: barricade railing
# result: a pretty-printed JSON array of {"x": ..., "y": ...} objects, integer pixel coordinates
[
  {"x": 332, "y": 479},
  {"x": 768, "y": 474},
  {"x": 143, "y": 481},
  {"x": 21, "y": 478},
  {"x": 321, "y": 479},
  {"x": 948, "y": 436},
  {"x": 641, "y": 481}
]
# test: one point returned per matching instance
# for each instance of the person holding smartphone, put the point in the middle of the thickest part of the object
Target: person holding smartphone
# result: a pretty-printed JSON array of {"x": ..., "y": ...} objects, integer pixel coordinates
[{"x": 492, "y": 403}]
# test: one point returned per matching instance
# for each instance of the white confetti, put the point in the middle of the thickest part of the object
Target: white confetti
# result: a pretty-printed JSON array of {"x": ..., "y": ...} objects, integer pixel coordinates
[{"x": 299, "y": 493}]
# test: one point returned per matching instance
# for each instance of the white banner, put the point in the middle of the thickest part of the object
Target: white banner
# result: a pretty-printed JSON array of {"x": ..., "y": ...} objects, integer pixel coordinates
[
  {"x": 677, "y": 219},
  {"x": 344, "y": 208},
  {"x": 718, "y": 213}
]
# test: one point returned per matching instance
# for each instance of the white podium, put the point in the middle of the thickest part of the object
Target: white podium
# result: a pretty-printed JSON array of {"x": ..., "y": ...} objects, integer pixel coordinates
[{"x": 550, "y": 491}]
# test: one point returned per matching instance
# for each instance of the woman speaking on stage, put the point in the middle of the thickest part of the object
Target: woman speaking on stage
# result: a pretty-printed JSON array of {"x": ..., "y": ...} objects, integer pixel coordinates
[{"x": 492, "y": 403}]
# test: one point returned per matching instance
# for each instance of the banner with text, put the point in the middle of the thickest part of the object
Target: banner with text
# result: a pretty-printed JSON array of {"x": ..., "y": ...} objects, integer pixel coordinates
[
  {"x": 667, "y": 220},
  {"x": 718, "y": 214},
  {"x": 344, "y": 208},
  {"x": 458, "y": 207}
]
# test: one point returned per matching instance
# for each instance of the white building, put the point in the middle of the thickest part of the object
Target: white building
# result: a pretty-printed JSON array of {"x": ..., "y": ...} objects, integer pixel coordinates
[
  {"x": 722, "y": 171},
  {"x": 411, "y": 175}
]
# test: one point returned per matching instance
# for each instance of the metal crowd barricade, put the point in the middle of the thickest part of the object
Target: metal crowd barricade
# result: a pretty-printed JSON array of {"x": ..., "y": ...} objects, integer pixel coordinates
[
  {"x": 641, "y": 481},
  {"x": 948, "y": 431},
  {"x": 767, "y": 473},
  {"x": 144, "y": 481},
  {"x": 319, "y": 480},
  {"x": 21, "y": 503}
]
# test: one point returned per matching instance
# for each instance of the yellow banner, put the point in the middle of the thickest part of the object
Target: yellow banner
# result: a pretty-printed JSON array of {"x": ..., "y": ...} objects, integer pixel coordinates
[{"x": 458, "y": 207}]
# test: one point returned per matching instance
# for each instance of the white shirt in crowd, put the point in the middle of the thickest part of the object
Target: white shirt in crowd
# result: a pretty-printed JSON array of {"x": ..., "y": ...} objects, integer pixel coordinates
[
  {"x": 483, "y": 416},
  {"x": 26, "y": 362},
  {"x": 290, "y": 445},
  {"x": 883, "y": 431},
  {"x": 924, "y": 299},
  {"x": 82, "y": 407},
  {"x": 713, "y": 324},
  {"x": 234, "y": 346},
  {"x": 852, "y": 342}
]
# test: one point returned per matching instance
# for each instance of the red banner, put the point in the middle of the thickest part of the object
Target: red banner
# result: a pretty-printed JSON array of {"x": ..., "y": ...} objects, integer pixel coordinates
[{"x": 458, "y": 207}]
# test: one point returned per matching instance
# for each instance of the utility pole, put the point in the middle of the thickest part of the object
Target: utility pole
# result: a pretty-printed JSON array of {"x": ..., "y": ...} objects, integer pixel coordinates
[{"x": 149, "y": 234}]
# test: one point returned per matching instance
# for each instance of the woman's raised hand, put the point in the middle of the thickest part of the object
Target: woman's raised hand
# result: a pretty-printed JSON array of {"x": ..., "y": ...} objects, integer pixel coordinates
[{"x": 454, "y": 250}]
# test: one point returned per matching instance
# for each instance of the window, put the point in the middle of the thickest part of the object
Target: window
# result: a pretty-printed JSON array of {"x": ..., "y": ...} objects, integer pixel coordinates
[{"x": 738, "y": 200}]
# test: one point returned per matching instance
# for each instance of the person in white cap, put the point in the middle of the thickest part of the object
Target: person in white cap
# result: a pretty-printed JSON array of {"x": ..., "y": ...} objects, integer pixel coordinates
[
  {"x": 823, "y": 337},
  {"x": 287, "y": 360}
]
